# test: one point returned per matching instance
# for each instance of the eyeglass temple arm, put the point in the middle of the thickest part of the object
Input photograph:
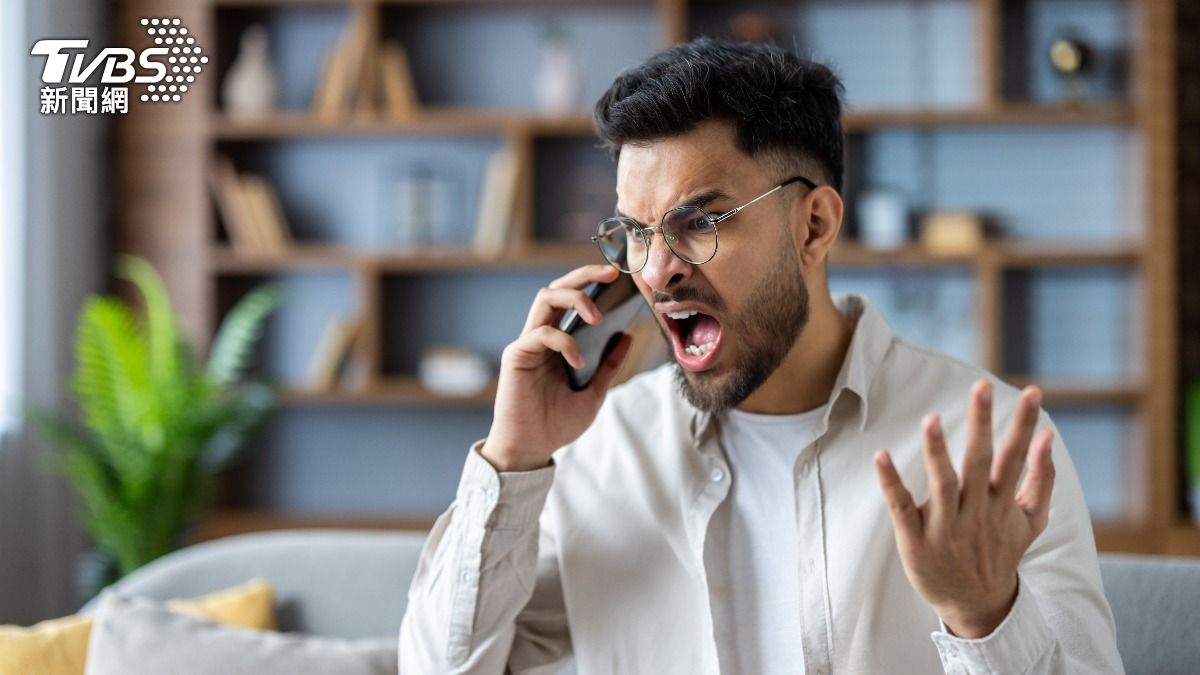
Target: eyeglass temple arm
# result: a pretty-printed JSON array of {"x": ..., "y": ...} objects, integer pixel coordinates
[{"x": 729, "y": 214}]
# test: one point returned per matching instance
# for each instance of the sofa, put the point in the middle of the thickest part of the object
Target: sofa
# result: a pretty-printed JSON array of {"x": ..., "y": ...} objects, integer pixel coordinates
[{"x": 353, "y": 584}]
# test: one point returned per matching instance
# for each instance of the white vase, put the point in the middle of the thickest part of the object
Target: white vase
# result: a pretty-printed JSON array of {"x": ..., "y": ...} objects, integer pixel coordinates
[
  {"x": 249, "y": 89},
  {"x": 558, "y": 78},
  {"x": 882, "y": 220}
]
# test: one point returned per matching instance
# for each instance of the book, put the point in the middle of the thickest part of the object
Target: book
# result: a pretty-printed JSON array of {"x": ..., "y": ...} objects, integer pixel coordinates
[
  {"x": 395, "y": 79},
  {"x": 235, "y": 210},
  {"x": 269, "y": 223},
  {"x": 333, "y": 347},
  {"x": 331, "y": 87},
  {"x": 496, "y": 203},
  {"x": 355, "y": 47},
  {"x": 363, "y": 101}
]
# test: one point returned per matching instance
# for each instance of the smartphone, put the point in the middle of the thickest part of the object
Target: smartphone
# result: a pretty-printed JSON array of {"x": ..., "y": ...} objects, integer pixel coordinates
[{"x": 619, "y": 302}]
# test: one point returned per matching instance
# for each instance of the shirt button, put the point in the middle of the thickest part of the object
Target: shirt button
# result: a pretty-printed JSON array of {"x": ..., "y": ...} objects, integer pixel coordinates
[
  {"x": 805, "y": 466},
  {"x": 717, "y": 475},
  {"x": 466, "y": 576}
]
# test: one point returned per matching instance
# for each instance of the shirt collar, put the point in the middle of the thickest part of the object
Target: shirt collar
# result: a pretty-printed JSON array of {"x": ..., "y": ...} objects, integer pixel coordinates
[{"x": 870, "y": 343}]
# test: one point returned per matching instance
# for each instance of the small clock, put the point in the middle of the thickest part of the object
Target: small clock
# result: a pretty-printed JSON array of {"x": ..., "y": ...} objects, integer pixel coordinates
[
  {"x": 1072, "y": 60},
  {"x": 1070, "y": 57}
]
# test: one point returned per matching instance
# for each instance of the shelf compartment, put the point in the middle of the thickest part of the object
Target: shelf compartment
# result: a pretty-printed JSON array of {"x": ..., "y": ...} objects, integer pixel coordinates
[
  {"x": 1006, "y": 254},
  {"x": 322, "y": 256},
  {"x": 550, "y": 255},
  {"x": 429, "y": 121},
  {"x": 469, "y": 121},
  {"x": 1080, "y": 391},
  {"x": 399, "y": 391},
  {"x": 231, "y": 522},
  {"x": 1003, "y": 115}
]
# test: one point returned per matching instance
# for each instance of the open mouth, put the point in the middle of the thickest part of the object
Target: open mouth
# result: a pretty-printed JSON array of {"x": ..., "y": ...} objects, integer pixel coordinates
[{"x": 696, "y": 338}]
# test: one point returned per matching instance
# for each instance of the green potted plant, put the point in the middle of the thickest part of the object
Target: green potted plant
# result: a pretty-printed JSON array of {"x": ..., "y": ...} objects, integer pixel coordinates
[
  {"x": 155, "y": 424},
  {"x": 1191, "y": 426}
]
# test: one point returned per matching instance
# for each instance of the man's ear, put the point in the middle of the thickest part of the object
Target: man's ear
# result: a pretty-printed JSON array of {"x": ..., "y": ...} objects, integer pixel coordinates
[{"x": 818, "y": 217}]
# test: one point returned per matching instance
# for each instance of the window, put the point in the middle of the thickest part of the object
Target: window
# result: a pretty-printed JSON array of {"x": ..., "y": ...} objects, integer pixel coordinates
[{"x": 12, "y": 209}]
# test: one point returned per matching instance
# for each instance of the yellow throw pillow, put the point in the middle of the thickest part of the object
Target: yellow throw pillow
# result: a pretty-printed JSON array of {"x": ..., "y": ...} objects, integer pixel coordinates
[
  {"x": 251, "y": 605},
  {"x": 59, "y": 646}
]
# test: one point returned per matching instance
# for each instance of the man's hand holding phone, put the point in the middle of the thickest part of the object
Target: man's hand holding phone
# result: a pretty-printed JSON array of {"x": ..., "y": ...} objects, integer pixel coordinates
[{"x": 536, "y": 411}]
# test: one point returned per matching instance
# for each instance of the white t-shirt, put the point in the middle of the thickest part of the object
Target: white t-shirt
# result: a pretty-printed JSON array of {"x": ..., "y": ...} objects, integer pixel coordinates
[{"x": 755, "y": 560}]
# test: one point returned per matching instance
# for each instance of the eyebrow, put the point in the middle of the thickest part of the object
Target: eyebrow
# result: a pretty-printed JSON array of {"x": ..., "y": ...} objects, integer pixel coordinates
[{"x": 700, "y": 199}]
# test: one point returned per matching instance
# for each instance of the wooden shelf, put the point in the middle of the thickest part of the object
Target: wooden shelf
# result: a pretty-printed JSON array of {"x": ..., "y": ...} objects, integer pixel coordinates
[
  {"x": 320, "y": 256},
  {"x": 281, "y": 3},
  {"x": 1126, "y": 538},
  {"x": 850, "y": 253},
  {"x": 1182, "y": 539},
  {"x": 299, "y": 257},
  {"x": 1004, "y": 115},
  {"x": 451, "y": 120},
  {"x": 1067, "y": 392},
  {"x": 1005, "y": 254},
  {"x": 417, "y": 3},
  {"x": 551, "y": 255},
  {"x": 1068, "y": 254},
  {"x": 389, "y": 391},
  {"x": 230, "y": 522}
]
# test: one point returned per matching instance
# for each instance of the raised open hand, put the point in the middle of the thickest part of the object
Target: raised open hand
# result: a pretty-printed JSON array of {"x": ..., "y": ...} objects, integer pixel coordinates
[{"x": 961, "y": 548}]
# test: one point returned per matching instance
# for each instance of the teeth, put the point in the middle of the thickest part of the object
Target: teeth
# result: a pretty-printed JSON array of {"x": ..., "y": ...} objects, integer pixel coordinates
[
  {"x": 700, "y": 350},
  {"x": 681, "y": 315}
]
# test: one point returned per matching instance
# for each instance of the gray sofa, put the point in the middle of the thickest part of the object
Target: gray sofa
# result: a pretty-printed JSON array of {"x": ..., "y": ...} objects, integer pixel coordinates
[{"x": 354, "y": 584}]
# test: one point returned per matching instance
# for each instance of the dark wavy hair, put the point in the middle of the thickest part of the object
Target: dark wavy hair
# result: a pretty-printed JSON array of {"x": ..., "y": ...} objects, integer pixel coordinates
[{"x": 784, "y": 107}]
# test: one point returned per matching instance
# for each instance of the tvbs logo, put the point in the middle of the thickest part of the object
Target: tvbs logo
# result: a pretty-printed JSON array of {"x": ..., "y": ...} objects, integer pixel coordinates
[{"x": 167, "y": 69}]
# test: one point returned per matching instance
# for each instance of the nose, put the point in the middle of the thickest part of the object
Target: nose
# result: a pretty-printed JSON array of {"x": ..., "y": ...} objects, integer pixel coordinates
[{"x": 663, "y": 268}]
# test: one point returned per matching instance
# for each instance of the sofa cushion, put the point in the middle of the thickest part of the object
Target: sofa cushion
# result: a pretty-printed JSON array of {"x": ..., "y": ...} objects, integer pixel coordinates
[
  {"x": 60, "y": 646},
  {"x": 137, "y": 636}
]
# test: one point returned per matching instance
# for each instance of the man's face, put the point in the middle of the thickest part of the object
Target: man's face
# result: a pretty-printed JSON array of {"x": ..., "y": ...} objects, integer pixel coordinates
[{"x": 731, "y": 321}]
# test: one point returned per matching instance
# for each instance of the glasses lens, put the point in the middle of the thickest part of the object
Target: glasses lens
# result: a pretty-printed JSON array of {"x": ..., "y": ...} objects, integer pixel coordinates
[
  {"x": 691, "y": 234},
  {"x": 622, "y": 244}
]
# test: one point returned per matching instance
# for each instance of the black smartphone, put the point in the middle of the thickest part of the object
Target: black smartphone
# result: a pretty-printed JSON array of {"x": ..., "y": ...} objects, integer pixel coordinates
[{"x": 619, "y": 302}]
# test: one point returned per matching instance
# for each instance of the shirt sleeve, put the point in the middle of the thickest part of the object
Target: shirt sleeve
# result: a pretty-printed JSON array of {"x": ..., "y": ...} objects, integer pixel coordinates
[
  {"x": 486, "y": 596},
  {"x": 1061, "y": 621}
]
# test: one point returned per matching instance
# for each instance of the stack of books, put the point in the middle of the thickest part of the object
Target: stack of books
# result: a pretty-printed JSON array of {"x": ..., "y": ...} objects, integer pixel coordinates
[{"x": 250, "y": 210}]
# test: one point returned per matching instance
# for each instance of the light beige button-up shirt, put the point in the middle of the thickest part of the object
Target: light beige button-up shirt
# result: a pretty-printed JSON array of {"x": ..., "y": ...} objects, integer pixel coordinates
[{"x": 603, "y": 554}]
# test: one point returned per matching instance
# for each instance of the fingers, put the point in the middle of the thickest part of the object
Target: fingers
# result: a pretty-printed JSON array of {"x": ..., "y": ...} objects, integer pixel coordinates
[
  {"x": 549, "y": 304},
  {"x": 612, "y": 365},
  {"x": 1015, "y": 447},
  {"x": 943, "y": 481},
  {"x": 1034, "y": 497},
  {"x": 905, "y": 518},
  {"x": 565, "y": 293},
  {"x": 582, "y": 276},
  {"x": 529, "y": 350},
  {"x": 977, "y": 461}
]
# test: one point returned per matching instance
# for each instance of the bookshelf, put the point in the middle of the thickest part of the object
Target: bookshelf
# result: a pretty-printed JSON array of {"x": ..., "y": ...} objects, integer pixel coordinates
[{"x": 167, "y": 151}]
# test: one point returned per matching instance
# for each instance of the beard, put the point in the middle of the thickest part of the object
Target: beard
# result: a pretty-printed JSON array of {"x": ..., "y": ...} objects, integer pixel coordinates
[{"x": 767, "y": 327}]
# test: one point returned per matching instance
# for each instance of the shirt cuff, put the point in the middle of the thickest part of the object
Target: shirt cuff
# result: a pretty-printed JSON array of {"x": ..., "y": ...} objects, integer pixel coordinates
[
  {"x": 1018, "y": 642},
  {"x": 505, "y": 500}
]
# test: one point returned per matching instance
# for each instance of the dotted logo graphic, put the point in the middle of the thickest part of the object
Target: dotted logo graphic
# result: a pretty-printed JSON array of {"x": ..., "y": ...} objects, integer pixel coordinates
[{"x": 184, "y": 59}]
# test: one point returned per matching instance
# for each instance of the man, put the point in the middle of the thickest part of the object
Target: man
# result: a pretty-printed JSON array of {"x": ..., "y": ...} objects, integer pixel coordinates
[{"x": 732, "y": 511}]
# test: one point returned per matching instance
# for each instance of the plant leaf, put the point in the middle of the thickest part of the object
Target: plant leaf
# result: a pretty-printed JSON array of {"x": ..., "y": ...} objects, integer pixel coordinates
[
  {"x": 238, "y": 333},
  {"x": 162, "y": 333}
]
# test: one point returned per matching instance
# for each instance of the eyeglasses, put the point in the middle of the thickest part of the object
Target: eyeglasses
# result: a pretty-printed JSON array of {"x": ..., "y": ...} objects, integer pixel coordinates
[{"x": 689, "y": 231}]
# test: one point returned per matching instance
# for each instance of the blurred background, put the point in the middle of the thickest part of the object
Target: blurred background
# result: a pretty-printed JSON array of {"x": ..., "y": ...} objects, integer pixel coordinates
[{"x": 387, "y": 183}]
